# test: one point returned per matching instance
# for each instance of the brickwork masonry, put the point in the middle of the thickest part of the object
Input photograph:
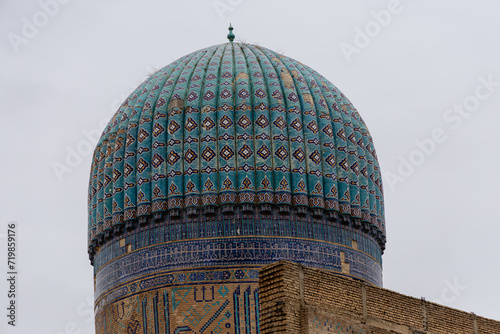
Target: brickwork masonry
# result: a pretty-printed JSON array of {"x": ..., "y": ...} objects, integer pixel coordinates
[{"x": 299, "y": 300}]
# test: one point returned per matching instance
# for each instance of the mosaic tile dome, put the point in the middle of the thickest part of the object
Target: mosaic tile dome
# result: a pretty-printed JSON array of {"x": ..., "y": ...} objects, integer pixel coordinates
[
  {"x": 237, "y": 143},
  {"x": 228, "y": 159}
]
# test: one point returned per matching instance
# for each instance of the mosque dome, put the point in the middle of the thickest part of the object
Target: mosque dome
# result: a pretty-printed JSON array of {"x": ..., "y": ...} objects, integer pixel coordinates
[{"x": 238, "y": 142}]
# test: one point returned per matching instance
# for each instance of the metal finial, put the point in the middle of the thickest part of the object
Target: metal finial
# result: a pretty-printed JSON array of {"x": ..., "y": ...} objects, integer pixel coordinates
[{"x": 230, "y": 36}]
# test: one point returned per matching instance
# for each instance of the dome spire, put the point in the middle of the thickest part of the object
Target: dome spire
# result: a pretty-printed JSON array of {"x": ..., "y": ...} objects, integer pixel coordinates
[{"x": 230, "y": 36}]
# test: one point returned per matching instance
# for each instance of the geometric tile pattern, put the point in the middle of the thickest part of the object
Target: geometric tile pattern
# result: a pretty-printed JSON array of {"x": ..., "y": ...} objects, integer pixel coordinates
[
  {"x": 260, "y": 115},
  {"x": 218, "y": 227},
  {"x": 175, "y": 305},
  {"x": 233, "y": 252}
]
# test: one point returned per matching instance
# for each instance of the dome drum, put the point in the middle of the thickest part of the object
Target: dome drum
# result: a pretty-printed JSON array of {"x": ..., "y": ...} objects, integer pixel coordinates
[
  {"x": 246, "y": 211},
  {"x": 299, "y": 238}
]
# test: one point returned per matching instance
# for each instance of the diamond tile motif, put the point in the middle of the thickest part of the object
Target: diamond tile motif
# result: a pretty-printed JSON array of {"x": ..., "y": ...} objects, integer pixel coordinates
[
  {"x": 264, "y": 152},
  {"x": 352, "y": 138},
  {"x": 330, "y": 160},
  {"x": 157, "y": 160},
  {"x": 245, "y": 152},
  {"x": 262, "y": 121},
  {"x": 129, "y": 140},
  {"x": 116, "y": 174},
  {"x": 293, "y": 97},
  {"x": 226, "y": 122},
  {"x": 226, "y": 152},
  {"x": 277, "y": 95},
  {"x": 190, "y": 124},
  {"x": 173, "y": 173},
  {"x": 299, "y": 154},
  {"x": 343, "y": 164},
  {"x": 208, "y": 123},
  {"x": 329, "y": 132},
  {"x": 243, "y": 94},
  {"x": 264, "y": 168},
  {"x": 260, "y": 93},
  {"x": 173, "y": 127},
  {"x": 296, "y": 124},
  {"x": 127, "y": 170},
  {"x": 157, "y": 144},
  {"x": 190, "y": 171},
  {"x": 244, "y": 121},
  {"x": 158, "y": 129},
  {"x": 282, "y": 153},
  {"x": 192, "y": 96},
  {"x": 315, "y": 157},
  {"x": 313, "y": 127},
  {"x": 280, "y": 123},
  {"x": 227, "y": 169},
  {"x": 282, "y": 169},
  {"x": 141, "y": 150},
  {"x": 208, "y": 95},
  {"x": 142, "y": 165},
  {"x": 173, "y": 157},
  {"x": 225, "y": 94},
  {"x": 261, "y": 107},
  {"x": 190, "y": 156},
  {"x": 208, "y": 154},
  {"x": 355, "y": 168}
]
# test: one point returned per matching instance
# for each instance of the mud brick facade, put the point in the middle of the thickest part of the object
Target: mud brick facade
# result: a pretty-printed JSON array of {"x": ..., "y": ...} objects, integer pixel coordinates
[{"x": 298, "y": 300}]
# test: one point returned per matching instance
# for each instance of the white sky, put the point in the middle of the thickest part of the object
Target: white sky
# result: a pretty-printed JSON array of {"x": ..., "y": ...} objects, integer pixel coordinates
[{"x": 442, "y": 220}]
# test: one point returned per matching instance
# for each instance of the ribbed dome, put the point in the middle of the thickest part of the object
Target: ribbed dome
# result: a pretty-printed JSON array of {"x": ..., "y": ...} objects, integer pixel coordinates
[{"x": 228, "y": 127}]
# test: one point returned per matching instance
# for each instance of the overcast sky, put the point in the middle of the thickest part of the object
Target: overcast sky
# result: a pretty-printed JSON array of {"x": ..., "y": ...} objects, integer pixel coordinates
[{"x": 424, "y": 75}]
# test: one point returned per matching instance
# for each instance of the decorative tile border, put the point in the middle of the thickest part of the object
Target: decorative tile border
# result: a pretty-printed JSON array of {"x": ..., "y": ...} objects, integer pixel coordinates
[
  {"x": 235, "y": 252},
  {"x": 275, "y": 225}
]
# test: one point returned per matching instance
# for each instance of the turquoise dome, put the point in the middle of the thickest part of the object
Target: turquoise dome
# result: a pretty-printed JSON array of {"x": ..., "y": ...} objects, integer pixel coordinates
[{"x": 234, "y": 130}]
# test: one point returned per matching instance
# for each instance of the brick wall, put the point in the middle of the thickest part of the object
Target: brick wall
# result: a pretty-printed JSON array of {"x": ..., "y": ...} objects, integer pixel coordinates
[{"x": 299, "y": 300}]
